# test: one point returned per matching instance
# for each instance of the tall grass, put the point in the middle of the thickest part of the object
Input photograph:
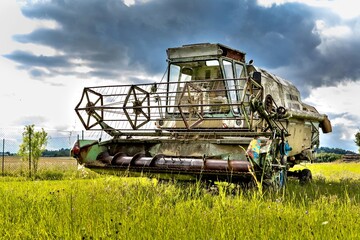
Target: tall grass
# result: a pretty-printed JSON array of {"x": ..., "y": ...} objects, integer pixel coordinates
[{"x": 107, "y": 207}]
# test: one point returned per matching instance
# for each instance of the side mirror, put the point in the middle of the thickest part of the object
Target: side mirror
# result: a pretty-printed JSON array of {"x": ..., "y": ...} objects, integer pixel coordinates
[{"x": 257, "y": 77}]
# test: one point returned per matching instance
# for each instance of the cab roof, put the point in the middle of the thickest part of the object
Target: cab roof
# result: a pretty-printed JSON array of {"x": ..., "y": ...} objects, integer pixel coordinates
[{"x": 203, "y": 51}]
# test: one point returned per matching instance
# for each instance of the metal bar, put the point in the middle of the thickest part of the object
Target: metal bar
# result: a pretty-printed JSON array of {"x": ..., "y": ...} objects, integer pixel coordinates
[
  {"x": 165, "y": 83},
  {"x": 29, "y": 152},
  {"x": 191, "y": 132},
  {"x": 234, "y": 141},
  {"x": 3, "y": 158},
  {"x": 162, "y": 106}
]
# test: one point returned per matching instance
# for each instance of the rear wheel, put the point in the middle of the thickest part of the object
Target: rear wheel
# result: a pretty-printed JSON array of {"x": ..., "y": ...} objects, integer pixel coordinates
[{"x": 305, "y": 176}]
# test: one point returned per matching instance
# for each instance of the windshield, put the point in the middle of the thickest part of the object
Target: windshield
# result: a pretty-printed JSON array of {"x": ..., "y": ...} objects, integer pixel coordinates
[{"x": 197, "y": 83}]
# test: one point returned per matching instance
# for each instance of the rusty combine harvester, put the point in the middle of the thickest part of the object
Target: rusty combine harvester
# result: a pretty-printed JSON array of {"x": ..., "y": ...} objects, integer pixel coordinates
[{"x": 215, "y": 117}]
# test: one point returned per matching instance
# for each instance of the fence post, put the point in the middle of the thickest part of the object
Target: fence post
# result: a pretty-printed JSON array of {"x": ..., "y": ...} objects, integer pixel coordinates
[
  {"x": 29, "y": 152},
  {"x": 3, "y": 158}
]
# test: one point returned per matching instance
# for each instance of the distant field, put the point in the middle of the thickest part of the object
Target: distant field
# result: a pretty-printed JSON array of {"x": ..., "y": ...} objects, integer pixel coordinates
[
  {"x": 14, "y": 165},
  {"x": 333, "y": 171}
]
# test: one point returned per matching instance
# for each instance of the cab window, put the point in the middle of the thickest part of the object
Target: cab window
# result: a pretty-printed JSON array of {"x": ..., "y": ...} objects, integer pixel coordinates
[{"x": 232, "y": 90}]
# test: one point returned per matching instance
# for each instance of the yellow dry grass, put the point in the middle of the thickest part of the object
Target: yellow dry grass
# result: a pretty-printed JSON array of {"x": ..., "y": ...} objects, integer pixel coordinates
[{"x": 14, "y": 164}]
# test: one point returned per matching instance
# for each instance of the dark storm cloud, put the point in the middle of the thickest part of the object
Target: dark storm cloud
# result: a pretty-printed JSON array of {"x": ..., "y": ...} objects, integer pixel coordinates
[
  {"x": 110, "y": 37},
  {"x": 29, "y": 59}
]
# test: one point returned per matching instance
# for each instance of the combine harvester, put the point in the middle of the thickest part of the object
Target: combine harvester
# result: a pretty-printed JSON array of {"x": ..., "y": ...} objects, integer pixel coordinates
[{"x": 214, "y": 118}]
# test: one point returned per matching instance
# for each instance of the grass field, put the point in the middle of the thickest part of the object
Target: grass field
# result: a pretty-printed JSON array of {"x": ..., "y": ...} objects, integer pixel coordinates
[{"x": 85, "y": 205}]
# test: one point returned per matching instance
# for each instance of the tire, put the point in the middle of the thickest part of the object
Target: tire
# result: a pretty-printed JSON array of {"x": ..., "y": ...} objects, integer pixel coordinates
[
  {"x": 305, "y": 176},
  {"x": 276, "y": 182}
]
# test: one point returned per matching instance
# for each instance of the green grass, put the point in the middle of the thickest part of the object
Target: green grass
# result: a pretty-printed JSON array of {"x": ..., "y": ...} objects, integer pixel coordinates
[{"x": 90, "y": 206}]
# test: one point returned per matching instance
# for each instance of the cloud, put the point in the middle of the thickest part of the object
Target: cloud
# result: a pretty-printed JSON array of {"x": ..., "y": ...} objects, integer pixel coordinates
[
  {"x": 342, "y": 136},
  {"x": 29, "y": 59},
  {"x": 29, "y": 120},
  {"x": 340, "y": 103},
  {"x": 110, "y": 37},
  {"x": 294, "y": 40},
  {"x": 338, "y": 99},
  {"x": 343, "y": 8}
]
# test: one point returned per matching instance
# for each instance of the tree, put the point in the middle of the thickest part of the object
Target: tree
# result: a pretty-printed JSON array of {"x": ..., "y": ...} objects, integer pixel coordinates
[
  {"x": 33, "y": 145},
  {"x": 357, "y": 139}
]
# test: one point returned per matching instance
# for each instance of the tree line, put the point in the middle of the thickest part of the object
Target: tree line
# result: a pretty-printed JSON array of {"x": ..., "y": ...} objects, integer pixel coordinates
[
  {"x": 63, "y": 152},
  {"x": 333, "y": 150}
]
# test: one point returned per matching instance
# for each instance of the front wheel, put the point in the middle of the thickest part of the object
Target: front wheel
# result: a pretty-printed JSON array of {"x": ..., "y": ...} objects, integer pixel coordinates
[{"x": 276, "y": 182}]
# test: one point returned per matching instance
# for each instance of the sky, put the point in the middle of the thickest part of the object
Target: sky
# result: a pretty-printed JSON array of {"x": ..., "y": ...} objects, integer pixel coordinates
[{"x": 50, "y": 50}]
